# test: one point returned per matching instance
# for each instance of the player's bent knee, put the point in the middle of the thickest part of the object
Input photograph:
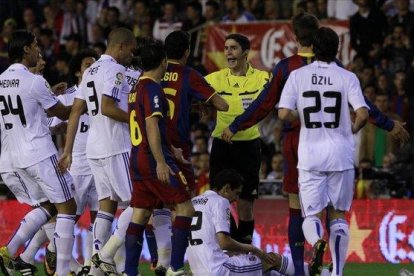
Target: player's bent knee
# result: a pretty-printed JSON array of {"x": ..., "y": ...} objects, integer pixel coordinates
[
  {"x": 335, "y": 214},
  {"x": 141, "y": 216},
  {"x": 108, "y": 205},
  {"x": 185, "y": 209},
  {"x": 67, "y": 207},
  {"x": 294, "y": 202},
  {"x": 49, "y": 207}
]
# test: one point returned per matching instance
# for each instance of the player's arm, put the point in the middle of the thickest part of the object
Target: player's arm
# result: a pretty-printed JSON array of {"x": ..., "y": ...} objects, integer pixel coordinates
[
  {"x": 227, "y": 243},
  {"x": 395, "y": 127},
  {"x": 361, "y": 118},
  {"x": 219, "y": 103},
  {"x": 154, "y": 140},
  {"x": 288, "y": 115},
  {"x": 78, "y": 108},
  {"x": 287, "y": 104},
  {"x": 110, "y": 109},
  {"x": 59, "y": 110}
]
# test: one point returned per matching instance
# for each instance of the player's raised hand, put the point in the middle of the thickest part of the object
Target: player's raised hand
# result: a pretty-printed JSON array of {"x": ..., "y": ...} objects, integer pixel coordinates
[
  {"x": 65, "y": 161},
  {"x": 60, "y": 88},
  {"x": 163, "y": 172},
  {"x": 399, "y": 132},
  {"x": 178, "y": 154},
  {"x": 227, "y": 135}
]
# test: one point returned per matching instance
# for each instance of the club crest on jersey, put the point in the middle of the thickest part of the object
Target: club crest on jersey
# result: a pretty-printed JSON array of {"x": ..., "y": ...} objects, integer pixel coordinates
[
  {"x": 119, "y": 77},
  {"x": 156, "y": 101}
]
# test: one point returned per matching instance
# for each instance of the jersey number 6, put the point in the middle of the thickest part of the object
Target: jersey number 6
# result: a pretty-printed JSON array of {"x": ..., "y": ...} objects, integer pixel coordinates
[{"x": 135, "y": 132}]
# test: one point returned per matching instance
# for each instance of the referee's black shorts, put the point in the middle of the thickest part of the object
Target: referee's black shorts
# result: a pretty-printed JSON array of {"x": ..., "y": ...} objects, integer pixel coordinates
[{"x": 243, "y": 156}]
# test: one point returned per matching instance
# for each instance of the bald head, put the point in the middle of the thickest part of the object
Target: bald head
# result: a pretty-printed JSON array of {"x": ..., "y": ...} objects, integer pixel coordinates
[{"x": 120, "y": 36}]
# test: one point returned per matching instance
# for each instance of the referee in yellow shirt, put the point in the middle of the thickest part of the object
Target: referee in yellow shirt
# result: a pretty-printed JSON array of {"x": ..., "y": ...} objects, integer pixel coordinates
[{"x": 239, "y": 84}]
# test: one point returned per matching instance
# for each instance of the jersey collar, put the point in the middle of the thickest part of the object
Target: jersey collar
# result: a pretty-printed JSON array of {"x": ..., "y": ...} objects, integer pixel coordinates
[
  {"x": 323, "y": 64},
  {"x": 107, "y": 57},
  {"x": 250, "y": 71},
  {"x": 18, "y": 66}
]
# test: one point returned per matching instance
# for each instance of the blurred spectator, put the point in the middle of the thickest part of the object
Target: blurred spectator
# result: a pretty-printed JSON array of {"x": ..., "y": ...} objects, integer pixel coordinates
[
  {"x": 113, "y": 20},
  {"x": 95, "y": 34},
  {"x": 72, "y": 46},
  {"x": 235, "y": 12},
  {"x": 72, "y": 22},
  {"x": 200, "y": 144},
  {"x": 48, "y": 46},
  {"x": 29, "y": 19},
  {"x": 203, "y": 174},
  {"x": 384, "y": 85},
  {"x": 400, "y": 101},
  {"x": 311, "y": 7},
  {"x": 367, "y": 76},
  {"x": 376, "y": 142},
  {"x": 340, "y": 9},
  {"x": 322, "y": 9},
  {"x": 286, "y": 10},
  {"x": 9, "y": 26},
  {"x": 397, "y": 50},
  {"x": 211, "y": 12},
  {"x": 367, "y": 28},
  {"x": 61, "y": 73},
  {"x": 277, "y": 167},
  {"x": 193, "y": 24},
  {"x": 370, "y": 92},
  {"x": 263, "y": 168},
  {"x": 142, "y": 22},
  {"x": 271, "y": 10},
  {"x": 404, "y": 17},
  {"x": 168, "y": 23},
  {"x": 51, "y": 19}
]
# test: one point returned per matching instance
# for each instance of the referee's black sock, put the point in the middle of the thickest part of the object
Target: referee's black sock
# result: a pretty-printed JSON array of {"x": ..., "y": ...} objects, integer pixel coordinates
[{"x": 245, "y": 231}]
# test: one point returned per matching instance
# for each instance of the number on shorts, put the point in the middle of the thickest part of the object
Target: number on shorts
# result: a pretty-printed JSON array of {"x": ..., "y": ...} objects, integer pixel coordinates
[
  {"x": 8, "y": 108},
  {"x": 135, "y": 132},
  {"x": 195, "y": 226}
]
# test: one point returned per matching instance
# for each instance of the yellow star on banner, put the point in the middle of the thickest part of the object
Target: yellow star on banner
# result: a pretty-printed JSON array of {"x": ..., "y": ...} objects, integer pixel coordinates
[{"x": 357, "y": 238}]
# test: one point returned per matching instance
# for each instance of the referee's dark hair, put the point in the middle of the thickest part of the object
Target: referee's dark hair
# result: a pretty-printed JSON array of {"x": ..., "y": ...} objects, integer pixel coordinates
[
  {"x": 325, "y": 44},
  {"x": 228, "y": 176},
  {"x": 304, "y": 26},
  {"x": 176, "y": 44},
  {"x": 152, "y": 53},
  {"x": 76, "y": 62},
  {"x": 19, "y": 39},
  {"x": 241, "y": 39}
]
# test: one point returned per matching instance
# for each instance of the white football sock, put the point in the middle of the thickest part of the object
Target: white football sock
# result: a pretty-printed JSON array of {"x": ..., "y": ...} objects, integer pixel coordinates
[
  {"x": 312, "y": 229},
  {"x": 88, "y": 247},
  {"x": 64, "y": 238},
  {"x": 50, "y": 233},
  {"x": 286, "y": 266},
  {"x": 28, "y": 227},
  {"x": 338, "y": 244},
  {"x": 161, "y": 221},
  {"x": 35, "y": 243}
]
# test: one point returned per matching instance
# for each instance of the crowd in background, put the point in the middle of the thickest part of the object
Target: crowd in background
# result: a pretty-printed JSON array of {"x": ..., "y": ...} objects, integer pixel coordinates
[{"x": 381, "y": 33}]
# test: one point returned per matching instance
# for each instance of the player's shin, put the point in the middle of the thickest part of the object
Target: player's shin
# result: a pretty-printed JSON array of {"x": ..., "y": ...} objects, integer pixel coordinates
[
  {"x": 338, "y": 244},
  {"x": 312, "y": 229},
  {"x": 35, "y": 243},
  {"x": 64, "y": 238},
  {"x": 296, "y": 240},
  {"x": 179, "y": 240},
  {"x": 161, "y": 221},
  {"x": 133, "y": 247}
]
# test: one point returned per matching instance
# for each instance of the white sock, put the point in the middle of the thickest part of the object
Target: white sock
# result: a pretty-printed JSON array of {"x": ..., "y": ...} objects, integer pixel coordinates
[
  {"x": 101, "y": 230},
  {"x": 28, "y": 227},
  {"x": 161, "y": 221},
  {"x": 50, "y": 233},
  {"x": 35, "y": 243},
  {"x": 119, "y": 258},
  {"x": 338, "y": 244},
  {"x": 64, "y": 238},
  {"x": 312, "y": 229},
  {"x": 74, "y": 265},
  {"x": 88, "y": 247},
  {"x": 286, "y": 266}
]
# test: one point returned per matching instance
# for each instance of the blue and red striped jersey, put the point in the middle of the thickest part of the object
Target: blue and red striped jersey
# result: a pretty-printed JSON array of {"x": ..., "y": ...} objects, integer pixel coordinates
[
  {"x": 147, "y": 100},
  {"x": 270, "y": 96},
  {"x": 182, "y": 85}
]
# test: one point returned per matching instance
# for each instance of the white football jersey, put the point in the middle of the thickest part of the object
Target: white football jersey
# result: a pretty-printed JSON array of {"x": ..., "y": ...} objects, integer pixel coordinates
[
  {"x": 322, "y": 93},
  {"x": 212, "y": 215},
  {"x": 24, "y": 97},
  {"x": 6, "y": 164},
  {"x": 107, "y": 137},
  {"x": 131, "y": 78},
  {"x": 80, "y": 165}
]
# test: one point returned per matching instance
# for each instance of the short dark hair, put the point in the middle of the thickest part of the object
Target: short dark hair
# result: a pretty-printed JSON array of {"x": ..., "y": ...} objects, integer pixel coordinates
[
  {"x": 213, "y": 4},
  {"x": 228, "y": 176},
  {"x": 325, "y": 44},
  {"x": 100, "y": 45},
  {"x": 304, "y": 26},
  {"x": 75, "y": 63},
  {"x": 195, "y": 5},
  {"x": 120, "y": 35},
  {"x": 114, "y": 9},
  {"x": 152, "y": 53},
  {"x": 241, "y": 39},
  {"x": 19, "y": 39},
  {"x": 176, "y": 44}
]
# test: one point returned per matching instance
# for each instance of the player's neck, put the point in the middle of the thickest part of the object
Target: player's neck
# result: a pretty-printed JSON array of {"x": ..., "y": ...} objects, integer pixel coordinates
[
  {"x": 305, "y": 50},
  {"x": 240, "y": 71},
  {"x": 112, "y": 54},
  {"x": 156, "y": 75},
  {"x": 25, "y": 63}
]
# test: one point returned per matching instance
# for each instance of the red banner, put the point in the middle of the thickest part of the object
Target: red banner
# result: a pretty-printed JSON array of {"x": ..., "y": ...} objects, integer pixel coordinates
[
  {"x": 381, "y": 230},
  {"x": 270, "y": 42}
]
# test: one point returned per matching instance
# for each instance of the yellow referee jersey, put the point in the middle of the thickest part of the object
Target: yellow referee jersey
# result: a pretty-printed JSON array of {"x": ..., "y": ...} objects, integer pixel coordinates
[{"x": 239, "y": 92}]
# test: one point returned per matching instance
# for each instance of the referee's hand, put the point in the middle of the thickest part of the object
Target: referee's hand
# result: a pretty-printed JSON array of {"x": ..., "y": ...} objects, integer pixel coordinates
[{"x": 227, "y": 135}]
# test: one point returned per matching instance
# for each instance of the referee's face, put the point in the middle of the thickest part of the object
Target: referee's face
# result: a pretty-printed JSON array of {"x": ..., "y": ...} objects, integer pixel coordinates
[{"x": 236, "y": 58}]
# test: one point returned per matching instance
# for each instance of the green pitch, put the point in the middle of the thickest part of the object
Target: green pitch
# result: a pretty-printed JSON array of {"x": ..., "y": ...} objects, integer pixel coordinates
[{"x": 350, "y": 269}]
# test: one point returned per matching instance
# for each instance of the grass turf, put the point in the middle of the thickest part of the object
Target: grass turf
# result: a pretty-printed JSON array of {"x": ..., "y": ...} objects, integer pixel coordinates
[{"x": 350, "y": 269}]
